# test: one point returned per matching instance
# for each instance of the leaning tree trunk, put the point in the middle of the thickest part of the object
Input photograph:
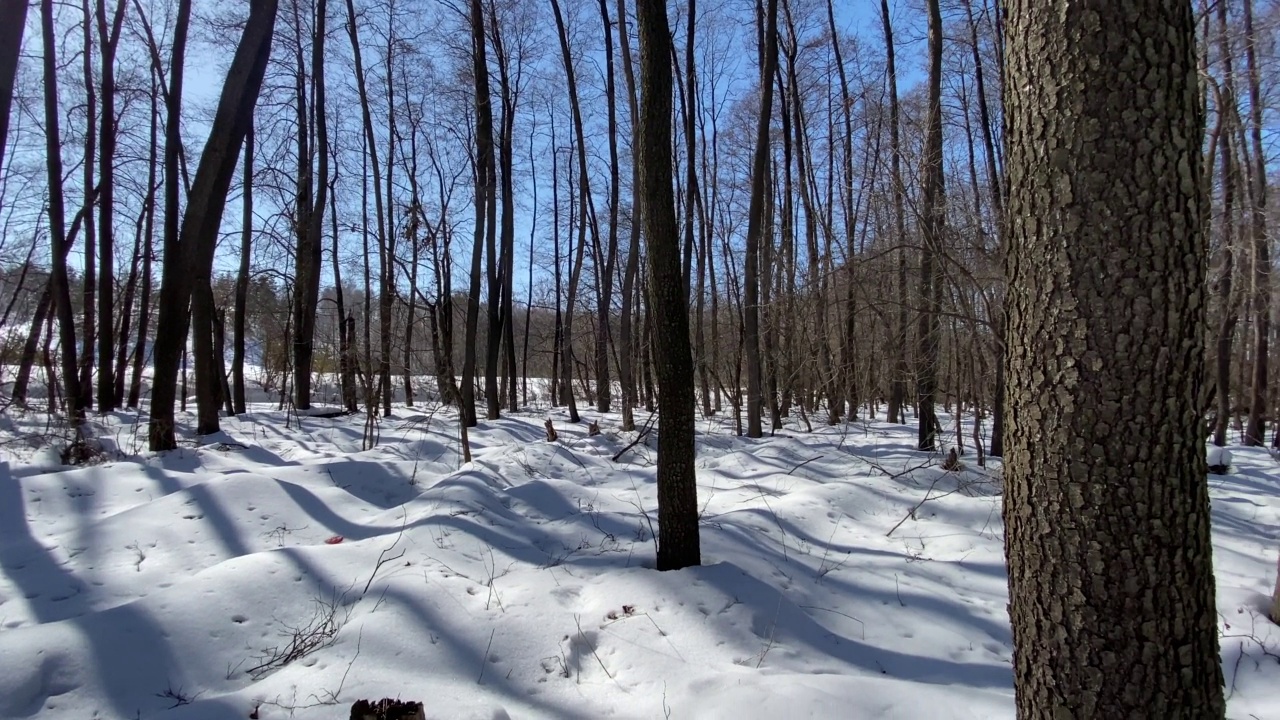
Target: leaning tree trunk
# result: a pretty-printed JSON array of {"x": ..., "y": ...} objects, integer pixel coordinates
[
  {"x": 1106, "y": 509},
  {"x": 189, "y": 263},
  {"x": 13, "y": 18},
  {"x": 678, "y": 544}
]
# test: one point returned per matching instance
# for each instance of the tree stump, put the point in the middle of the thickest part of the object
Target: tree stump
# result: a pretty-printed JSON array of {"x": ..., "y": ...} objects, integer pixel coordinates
[
  {"x": 387, "y": 709},
  {"x": 952, "y": 463}
]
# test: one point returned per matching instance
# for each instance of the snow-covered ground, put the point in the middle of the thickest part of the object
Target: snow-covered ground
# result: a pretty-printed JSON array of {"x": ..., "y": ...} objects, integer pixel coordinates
[{"x": 521, "y": 584}]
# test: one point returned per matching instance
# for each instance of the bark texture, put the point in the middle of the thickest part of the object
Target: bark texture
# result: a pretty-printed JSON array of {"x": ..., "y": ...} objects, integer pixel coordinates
[
  {"x": 678, "y": 543},
  {"x": 1106, "y": 504}
]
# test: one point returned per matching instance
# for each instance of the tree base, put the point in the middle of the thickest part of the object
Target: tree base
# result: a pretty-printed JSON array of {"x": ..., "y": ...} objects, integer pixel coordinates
[{"x": 387, "y": 709}]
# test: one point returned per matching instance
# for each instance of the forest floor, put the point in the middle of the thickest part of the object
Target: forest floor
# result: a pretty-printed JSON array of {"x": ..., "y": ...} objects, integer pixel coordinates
[{"x": 279, "y": 568}]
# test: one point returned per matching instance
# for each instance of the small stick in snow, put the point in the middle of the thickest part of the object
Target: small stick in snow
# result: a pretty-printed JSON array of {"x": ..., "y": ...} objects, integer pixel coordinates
[
  {"x": 577, "y": 619},
  {"x": 773, "y": 630},
  {"x": 644, "y": 433},
  {"x": 806, "y": 462},
  {"x": 382, "y": 559},
  {"x": 485, "y": 660}
]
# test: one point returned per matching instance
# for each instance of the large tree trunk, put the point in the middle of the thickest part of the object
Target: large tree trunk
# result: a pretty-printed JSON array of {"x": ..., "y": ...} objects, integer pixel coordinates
[
  {"x": 189, "y": 263},
  {"x": 13, "y": 19},
  {"x": 678, "y": 543},
  {"x": 757, "y": 222},
  {"x": 1106, "y": 507}
]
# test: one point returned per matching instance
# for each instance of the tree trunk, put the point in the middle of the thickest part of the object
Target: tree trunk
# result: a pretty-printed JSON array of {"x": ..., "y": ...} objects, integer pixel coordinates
[
  {"x": 897, "y": 383},
  {"x": 109, "y": 38},
  {"x": 370, "y": 153},
  {"x": 13, "y": 19},
  {"x": 59, "y": 288},
  {"x": 757, "y": 221},
  {"x": 309, "y": 256},
  {"x": 1106, "y": 507},
  {"x": 89, "y": 281},
  {"x": 604, "y": 271},
  {"x": 171, "y": 340},
  {"x": 189, "y": 263},
  {"x": 678, "y": 543},
  {"x": 1255, "y": 432},
  {"x": 241, "y": 309},
  {"x": 22, "y": 382},
  {"x": 484, "y": 164},
  {"x": 584, "y": 215},
  {"x": 626, "y": 342},
  {"x": 933, "y": 220}
]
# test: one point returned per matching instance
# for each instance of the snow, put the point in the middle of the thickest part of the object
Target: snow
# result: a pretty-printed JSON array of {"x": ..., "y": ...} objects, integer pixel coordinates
[
  {"x": 845, "y": 574},
  {"x": 1219, "y": 457}
]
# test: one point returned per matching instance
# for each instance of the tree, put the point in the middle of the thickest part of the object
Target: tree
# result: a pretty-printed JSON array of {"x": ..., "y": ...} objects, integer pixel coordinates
[
  {"x": 678, "y": 544},
  {"x": 109, "y": 39},
  {"x": 1255, "y": 432},
  {"x": 13, "y": 18},
  {"x": 308, "y": 256},
  {"x": 1106, "y": 508},
  {"x": 189, "y": 262},
  {"x": 897, "y": 387},
  {"x": 756, "y": 221},
  {"x": 241, "y": 299},
  {"x": 486, "y": 189},
  {"x": 59, "y": 287},
  {"x": 933, "y": 218}
]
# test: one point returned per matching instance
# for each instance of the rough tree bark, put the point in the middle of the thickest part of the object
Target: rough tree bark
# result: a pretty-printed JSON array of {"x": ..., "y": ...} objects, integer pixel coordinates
[
  {"x": 678, "y": 543},
  {"x": 1106, "y": 506}
]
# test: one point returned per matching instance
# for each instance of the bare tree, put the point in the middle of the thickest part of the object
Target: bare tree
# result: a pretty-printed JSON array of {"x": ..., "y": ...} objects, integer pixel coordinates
[
  {"x": 678, "y": 542},
  {"x": 756, "y": 222},
  {"x": 189, "y": 263}
]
